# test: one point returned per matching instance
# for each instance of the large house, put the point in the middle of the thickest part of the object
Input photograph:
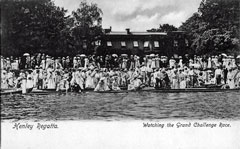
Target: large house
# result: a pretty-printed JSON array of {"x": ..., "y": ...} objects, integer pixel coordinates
[{"x": 142, "y": 43}]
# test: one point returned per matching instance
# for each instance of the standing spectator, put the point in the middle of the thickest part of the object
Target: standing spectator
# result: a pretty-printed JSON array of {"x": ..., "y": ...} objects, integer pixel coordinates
[{"x": 218, "y": 75}]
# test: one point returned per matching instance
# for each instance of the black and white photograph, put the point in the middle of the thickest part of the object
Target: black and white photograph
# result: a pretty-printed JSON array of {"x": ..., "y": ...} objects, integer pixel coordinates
[{"x": 120, "y": 74}]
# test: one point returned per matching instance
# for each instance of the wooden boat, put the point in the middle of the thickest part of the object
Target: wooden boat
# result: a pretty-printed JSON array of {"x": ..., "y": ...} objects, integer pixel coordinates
[
  {"x": 192, "y": 90},
  {"x": 14, "y": 91},
  {"x": 174, "y": 90}
]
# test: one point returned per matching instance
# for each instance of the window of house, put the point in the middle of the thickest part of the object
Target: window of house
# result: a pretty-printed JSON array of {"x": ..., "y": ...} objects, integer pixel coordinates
[
  {"x": 84, "y": 44},
  {"x": 135, "y": 44},
  {"x": 156, "y": 44},
  {"x": 146, "y": 44},
  {"x": 98, "y": 42},
  {"x": 186, "y": 42},
  {"x": 175, "y": 43},
  {"x": 123, "y": 43},
  {"x": 109, "y": 43}
]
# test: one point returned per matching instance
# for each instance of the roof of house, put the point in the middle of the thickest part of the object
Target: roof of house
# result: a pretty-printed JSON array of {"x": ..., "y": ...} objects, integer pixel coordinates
[{"x": 135, "y": 33}]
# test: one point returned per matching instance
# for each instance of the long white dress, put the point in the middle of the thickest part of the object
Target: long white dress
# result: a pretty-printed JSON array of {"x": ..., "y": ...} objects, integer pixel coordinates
[
  {"x": 124, "y": 63},
  {"x": 137, "y": 62},
  {"x": 80, "y": 79},
  {"x": 89, "y": 80},
  {"x": 180, "y": 63},
  {"x": 153, "y": 65},
  {"x": 86, "y": 62},
  {"x": 51, "y": 84},
  {"x": 230, "y": 80},
  {"x": 157, "y": 62},
  {"x": 149, "y": 62},
  {"x": 4, "y": 83},
  {"x": 171, "y": 63},
  {"x": 102, "y": 85},
  {"x": 35, "y": 79},
  {"x": 209, "y": 65},
  {"x": 29, "y": 81}
]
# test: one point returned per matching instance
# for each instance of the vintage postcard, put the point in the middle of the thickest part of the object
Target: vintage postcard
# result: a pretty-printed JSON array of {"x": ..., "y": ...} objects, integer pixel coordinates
[{"x": 120, "y": 74}]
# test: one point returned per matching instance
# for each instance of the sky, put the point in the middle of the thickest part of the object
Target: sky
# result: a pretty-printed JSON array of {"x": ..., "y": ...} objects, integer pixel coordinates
[{"x": 139, "y": 15}]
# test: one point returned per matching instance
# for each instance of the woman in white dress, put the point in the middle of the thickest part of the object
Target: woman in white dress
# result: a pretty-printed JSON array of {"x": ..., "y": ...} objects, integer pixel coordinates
[
  {"x": 35, "y": 77},
  {"x": 180, "y": 62},
  {"x": 171, "y": 63},
  {"x": 43, "y": 62},
  {"x": 79, "y": 79},
  {"x": 30, "y": 83},
  {"x": 86, "y": 62},
  {"x": 51, "y": 80},
  {"x": 75, "y": 62},
  {"x": 209, "y": 64},
  {"x": 230, "y": 79},
  {"x": 182, "y": 79},
  {"x": 157, "y": 61},
  {"x": 153, "y": 65},
  {"x": 4, "y": 84},
  {"x": 175, "y": 80},
  {"x": 89, "y": 79},
  {"x": 137, "y": 62},
  {"x": 102, "y": 85},
  {"x": 124, "y": 63},
  {"x": 149, "y": 62}
]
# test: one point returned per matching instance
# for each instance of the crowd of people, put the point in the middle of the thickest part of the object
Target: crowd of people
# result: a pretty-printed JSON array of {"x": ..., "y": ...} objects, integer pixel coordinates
[{"x": 116, "y": 72}]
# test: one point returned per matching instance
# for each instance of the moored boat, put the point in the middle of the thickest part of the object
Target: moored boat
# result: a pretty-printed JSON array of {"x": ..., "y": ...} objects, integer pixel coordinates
[
  {"x": 174, "y": 90},
  {"x": 192, "y": 90},
  {"x": 14, "y": 91}
]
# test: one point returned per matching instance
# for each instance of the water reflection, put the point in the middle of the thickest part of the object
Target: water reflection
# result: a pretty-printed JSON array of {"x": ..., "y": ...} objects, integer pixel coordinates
[{"x": 142, "y": 105}]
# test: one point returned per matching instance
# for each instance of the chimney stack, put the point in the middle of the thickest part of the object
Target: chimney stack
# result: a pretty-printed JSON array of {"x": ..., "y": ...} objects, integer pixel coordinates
[{"x": 128, "y": 30}]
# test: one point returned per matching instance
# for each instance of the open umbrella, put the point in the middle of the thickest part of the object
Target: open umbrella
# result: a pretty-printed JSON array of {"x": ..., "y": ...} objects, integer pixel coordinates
[
  {"x": 238, "y": 56},
  {"x": 152, "y": 55},
  {"x": 223, "y": 54},
  {"x": 26, "y": 54},
  {"x": 115, "y": 55},
  {"x": 82, "y": 55},
  {"x": 124, "y": 55}
]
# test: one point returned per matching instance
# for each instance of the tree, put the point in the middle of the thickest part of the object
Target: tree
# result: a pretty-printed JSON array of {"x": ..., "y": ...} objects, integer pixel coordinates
[
  {"x": 215, "y": 27},
  {"x": 164, "y": 28},
  {"x": 87, "y": 26},
  {"x": 32, "y": 26}
]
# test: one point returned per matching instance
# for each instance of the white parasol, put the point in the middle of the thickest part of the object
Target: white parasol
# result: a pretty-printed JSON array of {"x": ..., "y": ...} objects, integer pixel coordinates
[
  {"x": 82, "y": 55},
  {"x": 26, "y": 54},
  {"x": 124, "y": 55},
  {"x": 223, "y": 54},
  {"x": 238, "y": 56},
  {"x": 115, "y": 55},
  {"x": 152, "y": 55}
]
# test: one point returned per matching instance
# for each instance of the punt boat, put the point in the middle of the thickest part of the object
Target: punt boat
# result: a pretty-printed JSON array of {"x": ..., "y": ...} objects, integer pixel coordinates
[
  {"x": 14, "y": 91},
  {"x": 147, "y": 89}
]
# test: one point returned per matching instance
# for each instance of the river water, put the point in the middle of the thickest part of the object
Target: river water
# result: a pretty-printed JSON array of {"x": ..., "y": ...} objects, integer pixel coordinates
[{"x": 121, "y": 106}]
